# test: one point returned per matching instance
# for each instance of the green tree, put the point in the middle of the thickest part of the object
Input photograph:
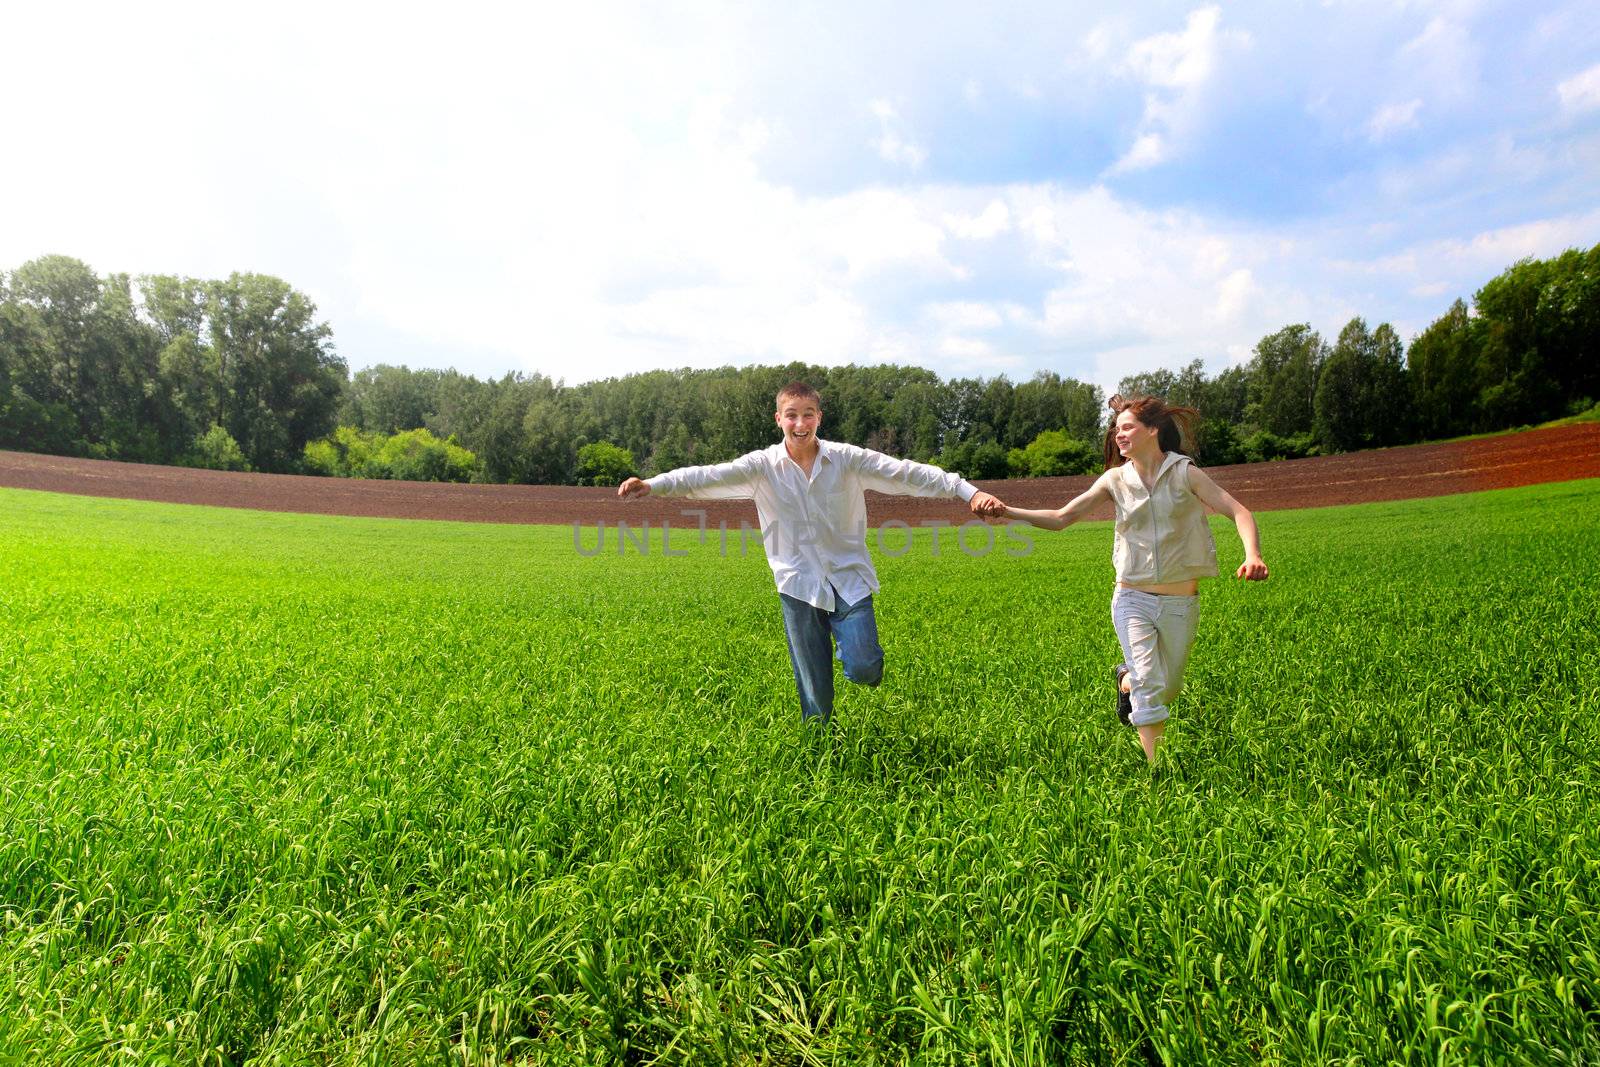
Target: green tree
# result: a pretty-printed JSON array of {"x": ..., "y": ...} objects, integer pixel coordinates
[
  {"x": 410, "y": 455},
  {"x": 58, "y": 297},
  {"x": 461, "y": 405},
  {"x": 281, "y": 379},
  {"x": 1514, "y": 384},
  {"x": 418, "y": 456},
  {"x": 1217, "y": 443},
  {"x": 1537, "y": 332},
  {"x": 674, "y": 450},
  {"x": 1053, "y": 454},
  {"x": 550, "y": 437},
  {"x": 189, "y": 382},
  {"x": 1362, "y": 398},
  {"x": 36, "y": 412},
  {"x": 603, "y": 463},
  {"x": 1160, "y": 382},
  {"x": 974, "y": 459},
  {"x": 175, "y": 306},
  {"x": 1084, "y": 411},
  {"x": 387, "y": 399},
  {"x": 217, "y": 451},
  {"x": 80, "y": 362},
  {"x": 1443, "y": 363},
  {"x": 1226, "y": 395},
  {"x": 1569, "y": 314},
  {"x": 916, "y": 414},
  {"x": 1049, "y": 401},
  {"x": 1390, "y": 418},
  {"x": 1345, "y": 390},
  {"x": 1283, "y": 380}
]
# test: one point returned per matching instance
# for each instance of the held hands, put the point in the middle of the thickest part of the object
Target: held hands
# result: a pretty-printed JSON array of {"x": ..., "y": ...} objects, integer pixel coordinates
[
  {"x": 986, "y": 505},
  {"x": 633, "y": 489},
  {"x": 1252, "y": 570}
]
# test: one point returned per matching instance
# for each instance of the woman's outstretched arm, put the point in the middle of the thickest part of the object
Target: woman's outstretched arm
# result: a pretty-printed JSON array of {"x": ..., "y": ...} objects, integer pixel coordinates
[{"x": 1069, "y": 513}]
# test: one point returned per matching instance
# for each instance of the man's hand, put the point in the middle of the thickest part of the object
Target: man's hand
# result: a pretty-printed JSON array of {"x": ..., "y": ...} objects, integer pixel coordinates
[
  {"x": 1252, "y": 569},
  {"x": 633, "y": 488},
  {"x": 986, "y": 505}
]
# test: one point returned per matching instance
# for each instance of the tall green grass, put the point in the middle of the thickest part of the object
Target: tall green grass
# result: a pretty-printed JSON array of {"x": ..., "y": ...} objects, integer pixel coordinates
[{"x": 286, "y": 789}]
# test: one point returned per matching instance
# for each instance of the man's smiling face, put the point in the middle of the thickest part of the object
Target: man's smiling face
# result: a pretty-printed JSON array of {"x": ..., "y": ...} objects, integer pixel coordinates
[{"x": 799, "y": 418}]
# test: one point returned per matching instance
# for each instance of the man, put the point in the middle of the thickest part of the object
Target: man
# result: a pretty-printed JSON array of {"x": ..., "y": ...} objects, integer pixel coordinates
[{"x": 810, "y": 499}]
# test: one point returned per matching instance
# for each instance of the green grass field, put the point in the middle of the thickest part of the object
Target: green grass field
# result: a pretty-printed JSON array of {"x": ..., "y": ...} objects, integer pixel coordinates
[{"x": 290, "y": 789}]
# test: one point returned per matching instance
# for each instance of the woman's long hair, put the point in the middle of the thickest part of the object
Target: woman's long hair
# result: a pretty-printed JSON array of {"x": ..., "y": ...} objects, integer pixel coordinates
[{"x": 1174, "y": 426}]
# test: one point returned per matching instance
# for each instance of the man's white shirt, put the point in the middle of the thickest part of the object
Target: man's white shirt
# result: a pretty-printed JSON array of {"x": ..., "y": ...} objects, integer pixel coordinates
[{"x": 814, "y": 529}]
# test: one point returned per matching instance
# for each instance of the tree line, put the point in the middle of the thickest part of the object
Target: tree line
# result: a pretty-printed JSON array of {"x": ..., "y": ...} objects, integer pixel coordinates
[{"x": 240, "y": 374}]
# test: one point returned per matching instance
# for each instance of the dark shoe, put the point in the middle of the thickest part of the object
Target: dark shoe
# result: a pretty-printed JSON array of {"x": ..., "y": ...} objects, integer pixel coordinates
[{"x": 1124, "y": 701}]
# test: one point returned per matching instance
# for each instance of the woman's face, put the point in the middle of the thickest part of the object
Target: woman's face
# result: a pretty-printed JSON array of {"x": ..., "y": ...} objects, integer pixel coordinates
[{"x": 1132, "y": 434}]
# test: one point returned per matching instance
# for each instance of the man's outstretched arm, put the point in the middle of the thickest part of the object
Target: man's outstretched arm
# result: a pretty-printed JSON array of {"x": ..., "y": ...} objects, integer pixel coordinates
[
  {"x": 906, "y": 477},
  {"x": 734, "y": 480}
]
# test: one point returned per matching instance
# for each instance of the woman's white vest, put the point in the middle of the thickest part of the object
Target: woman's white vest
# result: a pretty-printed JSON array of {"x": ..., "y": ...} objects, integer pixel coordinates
[{"x": 1162, "y": 534}]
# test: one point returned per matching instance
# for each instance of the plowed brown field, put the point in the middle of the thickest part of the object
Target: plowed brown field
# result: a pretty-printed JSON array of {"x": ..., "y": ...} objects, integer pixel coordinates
[{"x": 1526, "y": 458}]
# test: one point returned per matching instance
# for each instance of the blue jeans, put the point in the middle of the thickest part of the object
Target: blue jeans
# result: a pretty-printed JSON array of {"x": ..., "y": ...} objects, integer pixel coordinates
[{"x": 812, "y": 635}]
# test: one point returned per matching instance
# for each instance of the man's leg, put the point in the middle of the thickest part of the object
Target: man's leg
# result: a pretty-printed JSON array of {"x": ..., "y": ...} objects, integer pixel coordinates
[
  {"x": 855, "y": 630},
  {"x": 811, "y": 656}
]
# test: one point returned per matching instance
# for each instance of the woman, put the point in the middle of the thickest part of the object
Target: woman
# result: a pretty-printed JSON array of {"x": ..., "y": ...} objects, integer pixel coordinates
[{"x": 1163, "y": 548}]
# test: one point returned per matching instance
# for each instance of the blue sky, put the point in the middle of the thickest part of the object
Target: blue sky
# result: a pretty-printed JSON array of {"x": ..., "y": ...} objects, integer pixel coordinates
[{"x": 980, "y": 190}]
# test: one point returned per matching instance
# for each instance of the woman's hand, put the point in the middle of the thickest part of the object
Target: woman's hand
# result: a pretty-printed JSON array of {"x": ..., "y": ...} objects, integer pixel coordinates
[{"x": 1252, "y": 570}]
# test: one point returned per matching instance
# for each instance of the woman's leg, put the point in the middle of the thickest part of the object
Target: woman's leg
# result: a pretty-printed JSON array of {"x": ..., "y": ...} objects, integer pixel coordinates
[
  {"x": 1136, "y": 616},
  {"x": 1156, "y": 633},
  {"x": 1175, "y": 629},
  {"x": 1180, "y": 618}
]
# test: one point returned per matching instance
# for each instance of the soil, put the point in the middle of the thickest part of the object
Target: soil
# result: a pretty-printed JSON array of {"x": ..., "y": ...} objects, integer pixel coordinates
[{"x": 1506, "y": 460}]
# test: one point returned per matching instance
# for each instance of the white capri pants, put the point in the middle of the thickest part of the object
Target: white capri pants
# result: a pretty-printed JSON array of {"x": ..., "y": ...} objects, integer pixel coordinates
[{"x": 1156, "y": 633}]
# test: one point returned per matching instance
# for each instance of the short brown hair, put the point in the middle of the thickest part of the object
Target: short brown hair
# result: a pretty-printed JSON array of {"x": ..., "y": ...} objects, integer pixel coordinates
[
  {"x": 799, "y": 390},
  {"x": 1174, "y": 426}
]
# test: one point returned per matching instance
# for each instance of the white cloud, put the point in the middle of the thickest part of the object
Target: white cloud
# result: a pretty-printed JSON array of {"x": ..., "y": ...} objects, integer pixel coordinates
[
  {"x": 874, "y": 230},
  {"x": 965, "y": 348},
  {"x": 1581, "y": 92},
  {"x": 1179, "y": 60},
  {"x": 1492, "y": 251},
  {"x": 1443, "y": 58},
  {"x": 1233, "y": 295},
  {"x": 1147, "y": 150},
  {"x": 893, "y": 145},
  {"x": 1125, "y": 279},
  {"x": 964, "y": 315},
  {"x": 1096, "y": 44},
  {"x": 996, "y": 219},
  {"x": 1392, "y": 118},
  {"x": 1176, "y": 69},
  {"x": 1470, "y": 261},
  {"x": 895, "y": 149}
]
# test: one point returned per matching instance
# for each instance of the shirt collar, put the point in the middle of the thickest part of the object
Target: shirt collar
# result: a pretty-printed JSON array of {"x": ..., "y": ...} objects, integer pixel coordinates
[
  {"x": 1130, "y": 473},
  {"x": 825, "y": 450}
]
